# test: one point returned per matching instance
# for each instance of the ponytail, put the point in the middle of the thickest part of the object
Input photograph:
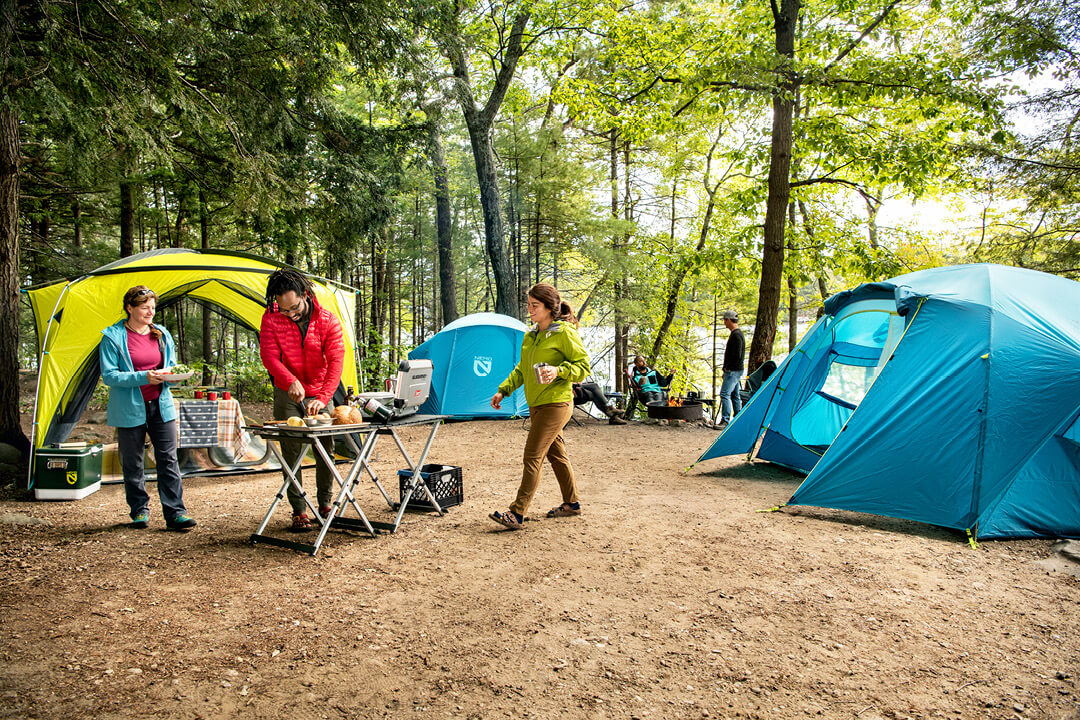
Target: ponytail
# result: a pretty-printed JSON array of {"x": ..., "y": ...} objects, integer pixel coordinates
[{"x": 566, "y": 313}]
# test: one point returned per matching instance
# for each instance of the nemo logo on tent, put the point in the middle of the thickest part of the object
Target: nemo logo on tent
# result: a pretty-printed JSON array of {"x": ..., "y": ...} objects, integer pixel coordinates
[{"x": 481, "y": 365}]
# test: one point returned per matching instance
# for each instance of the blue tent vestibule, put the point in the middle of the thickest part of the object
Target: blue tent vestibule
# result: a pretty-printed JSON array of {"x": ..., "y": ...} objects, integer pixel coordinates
[{"x": 948, "y": 396}]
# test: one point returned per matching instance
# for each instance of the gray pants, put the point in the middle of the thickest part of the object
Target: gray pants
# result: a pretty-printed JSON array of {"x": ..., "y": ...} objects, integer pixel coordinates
[
  {"x": 130, "y": 443},
  {"x": 284, "y": 408}
]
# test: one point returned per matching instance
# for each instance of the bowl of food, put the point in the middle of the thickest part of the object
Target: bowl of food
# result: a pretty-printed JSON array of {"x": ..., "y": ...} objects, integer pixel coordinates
[{"x": 319, "y": 420}]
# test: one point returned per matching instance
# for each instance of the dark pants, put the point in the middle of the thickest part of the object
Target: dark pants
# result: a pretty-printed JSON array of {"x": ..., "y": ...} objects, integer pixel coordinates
[
  {"x": 652, "y": 397},
  {"x": 591, "y": 391},
  {"x": 130, "y": 443},
  {"x": 284, "y": 408}
]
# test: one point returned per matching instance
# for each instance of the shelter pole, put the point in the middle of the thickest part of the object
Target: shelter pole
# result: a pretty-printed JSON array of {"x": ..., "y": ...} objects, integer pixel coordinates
[{"x": 37, "y": 386}]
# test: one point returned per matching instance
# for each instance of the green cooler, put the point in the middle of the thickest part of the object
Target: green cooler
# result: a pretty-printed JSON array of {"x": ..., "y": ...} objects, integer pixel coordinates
[{"x": 67, "y": 473}]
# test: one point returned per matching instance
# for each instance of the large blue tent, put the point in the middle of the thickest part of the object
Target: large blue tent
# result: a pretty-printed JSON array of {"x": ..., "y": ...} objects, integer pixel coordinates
[
  {"x": 471, "y": 356},
  {"x": 947, "y": 396}
]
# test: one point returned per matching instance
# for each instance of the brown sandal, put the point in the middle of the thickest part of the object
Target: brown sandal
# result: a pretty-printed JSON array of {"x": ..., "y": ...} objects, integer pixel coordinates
[
  {"x": 564, "y": 510},
  {"x": 507, "y": 519}
]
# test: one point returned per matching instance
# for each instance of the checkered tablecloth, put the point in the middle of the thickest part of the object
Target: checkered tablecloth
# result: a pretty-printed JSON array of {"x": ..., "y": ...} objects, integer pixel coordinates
[{"x": 209, "y": 423}]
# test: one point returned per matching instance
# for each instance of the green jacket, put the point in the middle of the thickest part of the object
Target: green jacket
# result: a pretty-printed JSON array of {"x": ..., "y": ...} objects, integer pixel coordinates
[{"x": 559, "y": 346}]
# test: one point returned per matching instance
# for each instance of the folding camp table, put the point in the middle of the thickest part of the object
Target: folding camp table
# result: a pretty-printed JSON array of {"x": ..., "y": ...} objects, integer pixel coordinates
[{"x": 273, "y": 434}]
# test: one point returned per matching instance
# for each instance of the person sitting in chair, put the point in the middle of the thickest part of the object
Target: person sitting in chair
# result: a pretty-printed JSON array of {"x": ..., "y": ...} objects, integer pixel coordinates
[
  {"x": 589, "y": 391},
  {"x": 649, "y": 383}
]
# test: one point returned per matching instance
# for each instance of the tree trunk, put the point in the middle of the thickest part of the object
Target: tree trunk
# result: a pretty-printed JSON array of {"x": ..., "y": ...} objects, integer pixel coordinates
[
  {"x": 76, "y": 217},
  {"x": 10, "y": 430},
  {"x": 444, "y": 239},
  {"x": 793, "y": 290},
  {"x": 622, "y": 289},
  {"x": 127, "y": 218},
  {"x": 204, "y": 243},
  {"x": 772, "y": 256},
  {"x": 872, "y": 208},
  {"x": 479, "y": 121}
]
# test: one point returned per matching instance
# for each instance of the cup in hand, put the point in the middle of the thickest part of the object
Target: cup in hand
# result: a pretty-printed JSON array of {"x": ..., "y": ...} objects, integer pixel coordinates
[{"x": 538, "y": 369}]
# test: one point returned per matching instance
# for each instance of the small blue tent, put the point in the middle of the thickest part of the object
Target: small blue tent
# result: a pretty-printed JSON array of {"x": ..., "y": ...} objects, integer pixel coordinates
[
  {"x": 947, "y": 396},
  {"x": 471, "y": 356}
]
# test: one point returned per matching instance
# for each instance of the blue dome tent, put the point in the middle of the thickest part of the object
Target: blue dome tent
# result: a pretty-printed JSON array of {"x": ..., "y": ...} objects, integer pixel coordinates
[
  {"x": 947, "y": 396},
  {"x": 471, "y": 356}
]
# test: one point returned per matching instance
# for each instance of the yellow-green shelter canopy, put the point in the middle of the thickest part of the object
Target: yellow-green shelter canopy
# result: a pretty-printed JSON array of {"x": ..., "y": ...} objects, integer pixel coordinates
[{"x": 69, "y": 318}]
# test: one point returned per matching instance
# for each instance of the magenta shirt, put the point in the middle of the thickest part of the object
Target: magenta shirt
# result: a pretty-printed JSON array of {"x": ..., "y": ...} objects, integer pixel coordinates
[{"x": 145, "y": 355}]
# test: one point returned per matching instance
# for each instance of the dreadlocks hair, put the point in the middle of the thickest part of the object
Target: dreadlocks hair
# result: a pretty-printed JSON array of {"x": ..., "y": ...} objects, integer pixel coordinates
[{"x": 282, "y": 281}]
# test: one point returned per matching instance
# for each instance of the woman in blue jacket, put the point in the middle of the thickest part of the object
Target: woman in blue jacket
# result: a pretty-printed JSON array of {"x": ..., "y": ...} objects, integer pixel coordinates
[{"x": 135, "y": 355}]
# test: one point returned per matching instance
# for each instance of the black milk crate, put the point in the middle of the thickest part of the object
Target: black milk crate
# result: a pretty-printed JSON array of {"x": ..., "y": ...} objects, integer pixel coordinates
[{"x": 444, "y": 481}]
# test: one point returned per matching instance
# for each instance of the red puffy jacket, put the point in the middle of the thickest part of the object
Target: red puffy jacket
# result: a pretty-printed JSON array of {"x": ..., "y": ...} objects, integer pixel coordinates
[{"x": 316, "y": 360}]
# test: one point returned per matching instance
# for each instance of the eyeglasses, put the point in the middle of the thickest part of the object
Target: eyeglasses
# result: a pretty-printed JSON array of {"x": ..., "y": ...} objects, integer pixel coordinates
[{"x": 294, "y": 310}]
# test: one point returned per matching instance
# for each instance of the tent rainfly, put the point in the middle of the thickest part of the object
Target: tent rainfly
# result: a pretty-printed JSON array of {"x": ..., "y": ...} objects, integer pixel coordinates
[
  {"x": 948, "y": 396},
  {"x": 471, "y": 356},
  {"x": 70, "y": 315}
]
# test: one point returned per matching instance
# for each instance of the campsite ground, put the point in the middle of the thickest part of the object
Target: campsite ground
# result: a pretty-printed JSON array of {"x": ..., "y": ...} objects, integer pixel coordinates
[{"x": 671, "y": 597}]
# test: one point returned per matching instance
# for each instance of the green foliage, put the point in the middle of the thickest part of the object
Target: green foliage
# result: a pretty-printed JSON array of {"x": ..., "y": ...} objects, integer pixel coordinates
[
  {"x": 298, "y": 131},
  {"x": 250, "y": 381}
]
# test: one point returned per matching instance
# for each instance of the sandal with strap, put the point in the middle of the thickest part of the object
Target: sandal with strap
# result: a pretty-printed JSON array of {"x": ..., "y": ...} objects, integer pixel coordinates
[
  {"x": 508, "y": 519},
  {"x": 565, "y": 510},
  {"x": 301, "y": 523}
]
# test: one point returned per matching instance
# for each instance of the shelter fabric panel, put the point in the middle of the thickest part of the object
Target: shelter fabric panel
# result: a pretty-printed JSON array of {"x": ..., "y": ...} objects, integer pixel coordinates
[
  {"x": 1042, "y": 499},
  {"x": 1024, "y": 363},
  {"x": 910, "y": 448},
  {"x": 471, "y": 356},
  {"x": 782, "y": 451}
]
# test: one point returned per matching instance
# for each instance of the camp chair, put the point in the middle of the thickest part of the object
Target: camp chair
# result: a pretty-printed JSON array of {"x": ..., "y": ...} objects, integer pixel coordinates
[
  {"x": 756, "y": 379},
  {"x": 665, "y": 386}
]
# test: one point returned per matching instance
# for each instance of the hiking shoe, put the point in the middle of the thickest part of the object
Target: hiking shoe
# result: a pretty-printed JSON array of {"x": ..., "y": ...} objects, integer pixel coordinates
[
  {"x": 141, "y": 520},
  {"x": 301, "y": 523},
  {"x": 616, "y": 419},
  {"x": 181, "y": 522}
]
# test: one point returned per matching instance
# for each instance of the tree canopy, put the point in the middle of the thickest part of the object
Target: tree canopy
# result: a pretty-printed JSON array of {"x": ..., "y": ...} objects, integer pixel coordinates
[{"x": 660, "y": 162}]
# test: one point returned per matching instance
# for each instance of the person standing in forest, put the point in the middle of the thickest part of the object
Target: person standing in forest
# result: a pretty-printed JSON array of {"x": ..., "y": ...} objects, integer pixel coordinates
[
  {"x": 552, "y": 359},
  {"x": 300, "y": 344},
  {"x": 135, "y": 356},
  {"x": 730, "y": 399}
]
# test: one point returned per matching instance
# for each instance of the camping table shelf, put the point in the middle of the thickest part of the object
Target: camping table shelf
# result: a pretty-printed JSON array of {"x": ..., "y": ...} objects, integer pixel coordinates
[{"x": 362, "y": 440}]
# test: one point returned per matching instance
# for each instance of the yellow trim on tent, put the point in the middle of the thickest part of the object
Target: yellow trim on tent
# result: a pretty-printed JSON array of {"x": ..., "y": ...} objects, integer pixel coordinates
[{"x": 70, "y": 316}]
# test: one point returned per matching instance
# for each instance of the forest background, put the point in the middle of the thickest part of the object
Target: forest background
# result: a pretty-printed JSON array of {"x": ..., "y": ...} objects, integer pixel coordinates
[{"x": 660, "y": 162}]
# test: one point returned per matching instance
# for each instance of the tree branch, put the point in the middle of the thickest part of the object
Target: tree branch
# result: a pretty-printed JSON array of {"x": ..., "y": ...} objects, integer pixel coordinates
[
  {"x": 507, "y": 68},
  {"x": 862, "y": 36}
]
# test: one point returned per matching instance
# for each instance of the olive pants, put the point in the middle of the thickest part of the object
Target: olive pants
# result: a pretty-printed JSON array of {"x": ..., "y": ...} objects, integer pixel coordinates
[
  {"x": 284, "y": 408},
  {"x": 546, "y": 440}
]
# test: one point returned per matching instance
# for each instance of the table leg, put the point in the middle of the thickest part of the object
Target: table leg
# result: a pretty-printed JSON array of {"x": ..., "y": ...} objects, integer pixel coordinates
[
  {"x": 290, "y": 478},
  {"x": 337, "y": 506},
  {"x": 416, "y": 476}
]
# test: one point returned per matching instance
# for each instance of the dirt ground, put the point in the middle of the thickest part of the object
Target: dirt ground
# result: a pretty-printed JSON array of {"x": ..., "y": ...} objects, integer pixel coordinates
[{"x": 670, "y": 597}]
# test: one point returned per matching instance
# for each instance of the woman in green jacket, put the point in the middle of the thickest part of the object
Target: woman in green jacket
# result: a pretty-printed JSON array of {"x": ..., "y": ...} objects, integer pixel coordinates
[{"x": 552, "y": 360}]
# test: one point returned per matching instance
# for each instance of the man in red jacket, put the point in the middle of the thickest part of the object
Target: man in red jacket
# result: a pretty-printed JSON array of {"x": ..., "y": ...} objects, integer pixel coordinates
[{"x": 300, "y": 344}]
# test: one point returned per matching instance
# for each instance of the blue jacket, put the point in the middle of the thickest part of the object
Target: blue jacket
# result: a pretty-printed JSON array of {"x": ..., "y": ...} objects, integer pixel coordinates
[{"x": 126, "y": 406}]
